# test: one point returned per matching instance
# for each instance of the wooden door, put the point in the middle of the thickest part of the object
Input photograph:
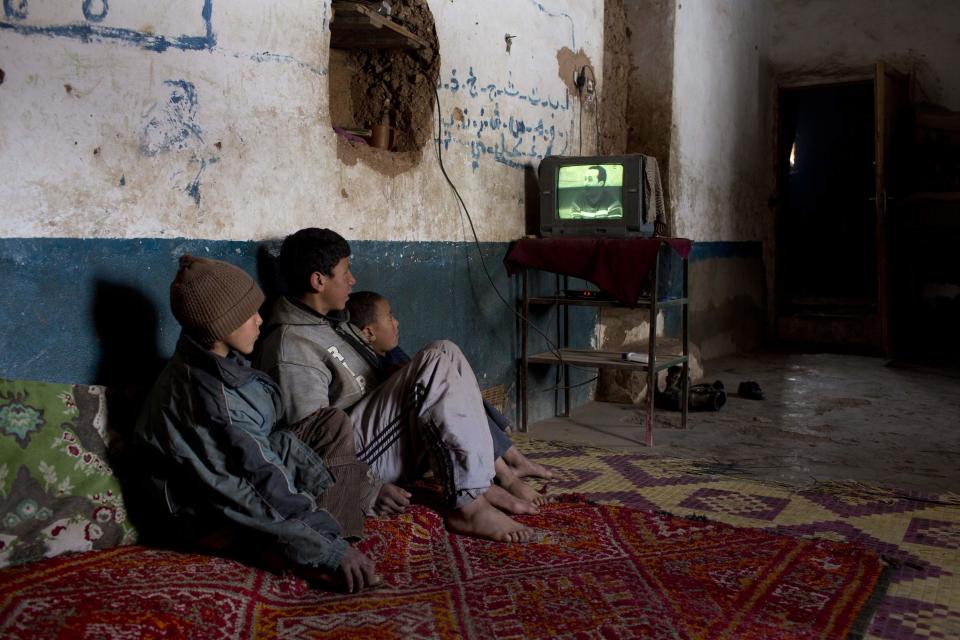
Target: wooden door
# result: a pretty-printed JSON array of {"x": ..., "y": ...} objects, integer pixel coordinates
[
  {"x": 833, "y": 273},
  {"x": 826, "y": 280},
  {"x": 890, "y": 109}
]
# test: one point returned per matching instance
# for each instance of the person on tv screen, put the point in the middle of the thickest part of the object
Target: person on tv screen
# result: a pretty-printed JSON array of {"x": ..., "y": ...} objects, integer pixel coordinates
[{"x": 594, "y": 199}]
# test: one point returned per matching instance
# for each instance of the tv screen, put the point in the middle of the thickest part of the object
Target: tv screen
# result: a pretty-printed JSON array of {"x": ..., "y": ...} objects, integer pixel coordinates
[
  {"x": 590, "y": 191},
  {"x": 592, "y": 195}
]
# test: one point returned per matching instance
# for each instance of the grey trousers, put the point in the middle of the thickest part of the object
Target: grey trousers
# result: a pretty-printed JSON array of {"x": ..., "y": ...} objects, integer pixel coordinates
[{"x": 428, "y": 412}]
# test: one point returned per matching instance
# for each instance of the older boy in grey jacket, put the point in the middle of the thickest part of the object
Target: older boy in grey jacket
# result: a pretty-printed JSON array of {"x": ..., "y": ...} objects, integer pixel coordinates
[{"x": 430, "y": 409}]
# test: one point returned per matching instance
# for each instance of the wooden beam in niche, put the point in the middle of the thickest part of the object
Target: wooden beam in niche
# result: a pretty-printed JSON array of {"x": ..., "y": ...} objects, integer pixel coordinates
[{"x": 357, "y": 26}]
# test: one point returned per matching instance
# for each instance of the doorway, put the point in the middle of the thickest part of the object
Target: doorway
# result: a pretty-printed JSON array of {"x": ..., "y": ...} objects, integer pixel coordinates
[{"x": 827, "y": 244}]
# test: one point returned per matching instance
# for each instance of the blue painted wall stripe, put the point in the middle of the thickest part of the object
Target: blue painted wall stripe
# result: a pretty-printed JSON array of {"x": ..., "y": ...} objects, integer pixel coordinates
[
  {"x": 87, "y": 32},
  {"x": 71, "y": 308}
]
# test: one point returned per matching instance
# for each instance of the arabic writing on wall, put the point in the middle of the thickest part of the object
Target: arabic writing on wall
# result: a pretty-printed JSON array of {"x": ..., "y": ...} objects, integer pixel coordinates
[{"x": 508, "y": 124}]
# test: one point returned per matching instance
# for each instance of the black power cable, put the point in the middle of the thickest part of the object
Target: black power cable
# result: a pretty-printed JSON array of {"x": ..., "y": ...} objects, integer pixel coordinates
[{"x": 476, "y": 239}]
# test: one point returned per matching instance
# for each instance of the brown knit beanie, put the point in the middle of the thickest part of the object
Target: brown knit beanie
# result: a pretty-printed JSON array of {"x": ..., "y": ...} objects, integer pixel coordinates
[{"x": 210, "y": 298}]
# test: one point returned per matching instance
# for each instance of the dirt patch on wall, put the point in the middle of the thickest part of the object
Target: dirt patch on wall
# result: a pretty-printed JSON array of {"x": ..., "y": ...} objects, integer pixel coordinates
[
  {"x": 578, "y": 74},
  {"x": 650, "y": 82},
  {"x": 616, "y": 71},
  {"x": 569, "y": 65},
  {"x": 388, "y": 86}
]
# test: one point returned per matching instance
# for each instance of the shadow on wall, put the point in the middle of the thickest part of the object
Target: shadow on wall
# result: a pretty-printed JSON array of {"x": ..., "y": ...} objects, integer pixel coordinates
[
  {"x": 268, "y": 274},
  {"x": 126, "y": 323}
]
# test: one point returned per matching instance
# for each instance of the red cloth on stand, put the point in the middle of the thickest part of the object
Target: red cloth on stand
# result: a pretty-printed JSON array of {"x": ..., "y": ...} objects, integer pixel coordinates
[{"x": 619, "y": 266}]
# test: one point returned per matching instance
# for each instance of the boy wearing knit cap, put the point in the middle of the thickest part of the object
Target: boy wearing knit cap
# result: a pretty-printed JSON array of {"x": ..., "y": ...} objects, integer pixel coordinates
[{"x": 219, "y": 466}]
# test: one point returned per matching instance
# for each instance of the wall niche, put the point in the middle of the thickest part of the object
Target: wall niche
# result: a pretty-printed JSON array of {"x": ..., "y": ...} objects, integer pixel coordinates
[{"x": 384, "y": 64}]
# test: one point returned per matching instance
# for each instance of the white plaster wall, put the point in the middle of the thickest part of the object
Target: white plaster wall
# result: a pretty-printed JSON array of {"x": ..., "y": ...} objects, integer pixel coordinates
[
  {"x": 823, "y": 37},
  {"x": 720, "y": 166},
  {"x": 103, "y": 138},
  {"x": 503, "y": 90}
]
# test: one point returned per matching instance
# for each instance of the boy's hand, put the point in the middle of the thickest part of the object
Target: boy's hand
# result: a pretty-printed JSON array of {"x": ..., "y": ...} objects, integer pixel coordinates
[
  {"x": 357, "y": 571},
  {"x": 391, "y": 499}
]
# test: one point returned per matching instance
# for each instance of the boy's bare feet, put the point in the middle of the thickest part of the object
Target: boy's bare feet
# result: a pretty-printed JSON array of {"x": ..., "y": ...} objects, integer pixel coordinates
[
  {"x": 482, "y": 520},
  {"x": 524, "y": 466},
  {"x": 509, "y": 480},
  {"x": 506, "y": 501}
]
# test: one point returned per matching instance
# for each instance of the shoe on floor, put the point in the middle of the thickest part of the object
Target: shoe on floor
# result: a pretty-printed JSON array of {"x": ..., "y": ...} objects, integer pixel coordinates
[
  {"x": 707, "y": 397},
  {"x": 750, "y": 390},
  {"x": 671, "y": 396}
]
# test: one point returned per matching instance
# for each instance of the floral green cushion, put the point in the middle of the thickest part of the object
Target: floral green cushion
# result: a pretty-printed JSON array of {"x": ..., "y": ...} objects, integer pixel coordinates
[{"x": 57, "y": 490}]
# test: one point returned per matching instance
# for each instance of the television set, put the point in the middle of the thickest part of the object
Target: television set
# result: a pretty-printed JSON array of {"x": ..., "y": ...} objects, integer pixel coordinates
[{"x": 592, "y": 196}]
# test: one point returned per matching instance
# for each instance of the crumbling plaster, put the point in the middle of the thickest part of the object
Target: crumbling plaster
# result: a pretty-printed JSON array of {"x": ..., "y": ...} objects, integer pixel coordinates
[{"x": 188, "y": 127}]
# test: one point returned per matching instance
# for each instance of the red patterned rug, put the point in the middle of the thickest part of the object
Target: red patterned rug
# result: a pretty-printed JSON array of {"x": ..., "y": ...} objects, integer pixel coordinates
[{"x": 594, "y": 572}]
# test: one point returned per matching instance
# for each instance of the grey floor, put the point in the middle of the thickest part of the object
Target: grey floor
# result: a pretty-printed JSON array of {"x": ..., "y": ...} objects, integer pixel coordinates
[{"x": 825, "y": 417}]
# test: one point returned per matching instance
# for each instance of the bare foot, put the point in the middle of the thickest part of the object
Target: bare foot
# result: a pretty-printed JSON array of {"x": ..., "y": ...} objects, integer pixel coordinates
[
  {"x": 509, "y": 480},
  {"x": 482, "y": 520},
  {"x": 524, "y": 466},
  {"x": 506, "y": 501}
]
